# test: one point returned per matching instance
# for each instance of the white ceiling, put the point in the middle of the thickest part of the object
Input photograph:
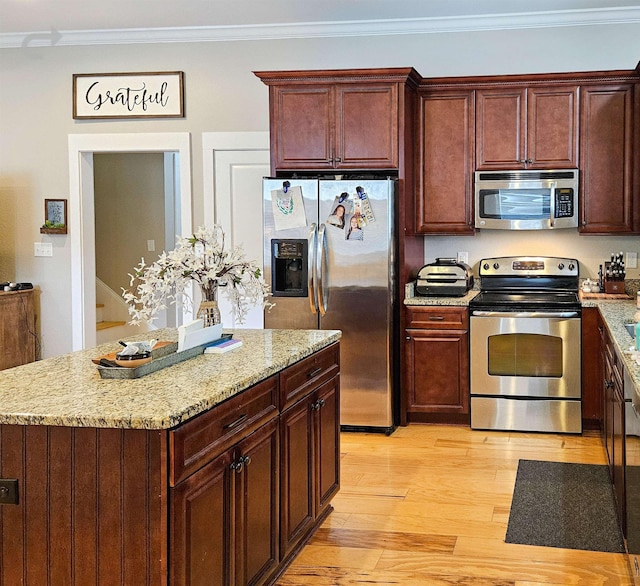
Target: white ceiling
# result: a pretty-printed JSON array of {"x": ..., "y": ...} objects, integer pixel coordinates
[{"x": 20, "y": 19}]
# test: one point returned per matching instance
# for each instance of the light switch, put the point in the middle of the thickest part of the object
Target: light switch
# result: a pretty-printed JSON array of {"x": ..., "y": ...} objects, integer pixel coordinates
[
  {"x": 42, "y": 249},
  {"x": 632, "y": 260}
]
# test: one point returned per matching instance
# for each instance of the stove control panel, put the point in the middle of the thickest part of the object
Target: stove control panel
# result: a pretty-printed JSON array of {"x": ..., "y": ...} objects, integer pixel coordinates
[{"x": 528, "y": 266}]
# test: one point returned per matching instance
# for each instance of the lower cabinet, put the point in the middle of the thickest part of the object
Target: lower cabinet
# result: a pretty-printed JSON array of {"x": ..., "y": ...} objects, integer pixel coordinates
[
  {"x": 592, "y": 328},
  {"x": 436, "y": 365},
  {"x": 309, "y": 432},
  {"x": 225, "y": 516},
  {"x": 613, "y": 422},
  {"x": 253, "y": 478}
]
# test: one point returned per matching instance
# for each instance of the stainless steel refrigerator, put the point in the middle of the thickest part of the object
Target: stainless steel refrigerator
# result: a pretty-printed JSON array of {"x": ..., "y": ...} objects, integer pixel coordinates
[{"x": 329, "y": 260}]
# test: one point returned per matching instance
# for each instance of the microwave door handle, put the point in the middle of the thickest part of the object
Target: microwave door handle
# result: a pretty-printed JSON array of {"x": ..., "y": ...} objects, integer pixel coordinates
[
  {"x": 311, "y": 268},
  {"x": 552, "y": 202}
]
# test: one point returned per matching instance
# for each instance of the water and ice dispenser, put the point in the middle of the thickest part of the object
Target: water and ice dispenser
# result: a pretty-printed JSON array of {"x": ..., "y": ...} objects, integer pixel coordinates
[{"x": 289, "y": 268}]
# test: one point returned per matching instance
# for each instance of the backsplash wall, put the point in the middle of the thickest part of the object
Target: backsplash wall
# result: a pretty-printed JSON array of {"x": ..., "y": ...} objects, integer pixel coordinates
[{"x": 591, "y": 251}]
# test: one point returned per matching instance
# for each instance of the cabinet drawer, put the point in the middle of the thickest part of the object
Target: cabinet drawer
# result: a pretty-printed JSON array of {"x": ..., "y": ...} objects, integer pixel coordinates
[
  {"x": 305, "y": 375},
  {"x": 201, "y": 439},
  {"x": 438, "y": 318}
]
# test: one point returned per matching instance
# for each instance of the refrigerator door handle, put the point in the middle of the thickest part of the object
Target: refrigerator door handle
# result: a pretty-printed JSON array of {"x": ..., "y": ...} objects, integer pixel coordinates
[
  {"x": 322, "y": 271},
  {"x": 311, "y": 268}
]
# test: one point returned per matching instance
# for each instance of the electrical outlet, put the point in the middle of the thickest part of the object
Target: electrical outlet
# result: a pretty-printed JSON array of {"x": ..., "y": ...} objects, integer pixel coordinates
[
  {"x": 151, "y": 245},
  {"x": 632, "y": 260},
  {"x": 42, "y": 249},
  {"x": 8, "y": 491},
  {"x": 463, "y": 257}
]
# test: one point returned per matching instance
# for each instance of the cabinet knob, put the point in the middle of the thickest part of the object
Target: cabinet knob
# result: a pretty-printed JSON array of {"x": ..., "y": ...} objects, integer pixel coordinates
[
  {"x": 317, "y": 405},
  {"x": 240, "y": 463}
]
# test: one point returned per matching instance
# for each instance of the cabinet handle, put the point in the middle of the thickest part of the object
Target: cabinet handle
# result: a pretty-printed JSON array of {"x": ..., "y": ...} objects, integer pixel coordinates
[
  {"x": 240, "y": 463},
  {"x": 317, "y": 405},
  {"x": 314, "y": 372},
  {"x": 608, "y": 384},
  {"x": 436, "y": 318},
  {"x": 338, "y": 159},
  {"x": 236, "y": 422}
]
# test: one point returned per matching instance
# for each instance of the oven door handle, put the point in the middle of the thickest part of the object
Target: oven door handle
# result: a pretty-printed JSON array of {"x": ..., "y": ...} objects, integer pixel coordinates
[
  {"x": 552, "y": 203},
  {"x": 542, "y": 314}
]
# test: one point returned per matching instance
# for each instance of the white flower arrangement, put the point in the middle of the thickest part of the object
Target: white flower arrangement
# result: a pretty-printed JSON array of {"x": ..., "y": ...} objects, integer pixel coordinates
[{"x": 202, "y": 259}]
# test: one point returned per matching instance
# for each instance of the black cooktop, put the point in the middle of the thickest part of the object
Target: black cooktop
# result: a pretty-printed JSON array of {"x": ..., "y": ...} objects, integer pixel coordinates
[{"x": 526, "y": 301}]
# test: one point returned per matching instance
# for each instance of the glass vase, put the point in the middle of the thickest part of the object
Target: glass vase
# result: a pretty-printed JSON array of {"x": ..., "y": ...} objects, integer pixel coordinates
[{"x": 209, "y": 311}]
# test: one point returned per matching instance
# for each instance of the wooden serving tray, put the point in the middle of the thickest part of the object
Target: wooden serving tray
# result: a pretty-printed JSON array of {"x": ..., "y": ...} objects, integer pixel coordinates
[
  {"x": 169, "y": 358},
  {"x": 160, "y": 349},
  {"x": 603, "y": 295}
]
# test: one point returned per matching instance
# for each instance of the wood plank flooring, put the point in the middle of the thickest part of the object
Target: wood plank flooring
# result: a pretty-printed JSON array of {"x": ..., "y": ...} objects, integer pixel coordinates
[{"x": 429, "y": 505}]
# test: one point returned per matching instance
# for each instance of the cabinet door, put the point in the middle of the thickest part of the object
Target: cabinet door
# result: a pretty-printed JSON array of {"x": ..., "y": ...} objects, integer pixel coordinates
[
  {"x": 256, "y": 506},
  {"x": 302, "y": 127},
  {"x": 444, "y": 201},
  {"x": 591, "y": 368},
  {"x": 437, "y": 371},
  {"x": 202, "y": 526},
  {"x": 366, "y": 126},
  {"x": 500, "y": 131},
  {"x": 618, "y": 450},
  {"x": 552, "y": 128},
  {"x": 17, "y": 329},
  {"x": 606, "y": 161},
  {"x": 327, "y": 444},
  {"x": 296, "y": 474}
]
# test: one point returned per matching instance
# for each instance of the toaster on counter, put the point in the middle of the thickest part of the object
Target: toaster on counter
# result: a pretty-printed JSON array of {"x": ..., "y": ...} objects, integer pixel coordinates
[{"x": 444, "y": 278}]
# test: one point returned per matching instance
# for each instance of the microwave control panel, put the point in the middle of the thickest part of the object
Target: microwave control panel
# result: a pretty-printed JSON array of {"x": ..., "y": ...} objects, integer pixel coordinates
[{"x": 564, "y": 202}]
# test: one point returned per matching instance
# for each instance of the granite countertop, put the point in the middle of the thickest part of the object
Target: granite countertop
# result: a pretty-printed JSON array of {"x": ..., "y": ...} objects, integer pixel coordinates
[
  {"x": 615, "y": 314},
  {"x": 68, "y": 391},
  {"x": 412, "y": 299}
]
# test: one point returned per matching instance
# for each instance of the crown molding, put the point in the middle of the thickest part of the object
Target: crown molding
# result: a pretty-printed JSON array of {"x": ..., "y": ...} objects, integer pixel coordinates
[{"x": 305, "y": 30}]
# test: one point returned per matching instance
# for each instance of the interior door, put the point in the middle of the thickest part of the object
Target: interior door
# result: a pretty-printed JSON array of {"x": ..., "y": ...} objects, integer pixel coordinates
[{"x": 234, "y": 167}]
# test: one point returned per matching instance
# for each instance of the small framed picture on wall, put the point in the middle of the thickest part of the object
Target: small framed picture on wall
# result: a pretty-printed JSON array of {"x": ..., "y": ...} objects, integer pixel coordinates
[{"x": 55, "y": 217}]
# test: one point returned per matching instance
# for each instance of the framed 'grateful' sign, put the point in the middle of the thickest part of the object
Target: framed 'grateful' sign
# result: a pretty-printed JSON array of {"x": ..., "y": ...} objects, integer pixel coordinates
[{"x": 128, "y": 95}]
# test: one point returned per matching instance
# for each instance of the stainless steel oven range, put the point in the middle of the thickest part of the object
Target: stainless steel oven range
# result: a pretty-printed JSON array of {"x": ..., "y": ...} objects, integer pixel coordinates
[{"x": 525, "y": 346}]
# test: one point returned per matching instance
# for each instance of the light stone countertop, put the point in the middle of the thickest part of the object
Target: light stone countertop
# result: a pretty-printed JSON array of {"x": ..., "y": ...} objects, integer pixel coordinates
[
  {"x": 616, "y": 312},
  {"x": 68, "y": 390}
]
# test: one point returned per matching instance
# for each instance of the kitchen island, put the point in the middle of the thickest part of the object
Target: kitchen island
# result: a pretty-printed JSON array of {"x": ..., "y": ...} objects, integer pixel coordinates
[{"x": 215, "y": 470}]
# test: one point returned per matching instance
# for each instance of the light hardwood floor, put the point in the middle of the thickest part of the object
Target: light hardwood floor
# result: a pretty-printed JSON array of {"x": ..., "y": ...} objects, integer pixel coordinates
[{"x": 429, "y": 505}]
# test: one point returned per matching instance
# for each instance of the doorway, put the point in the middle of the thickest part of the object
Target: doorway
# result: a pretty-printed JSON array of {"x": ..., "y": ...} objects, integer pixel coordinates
[{"x": 82, "y": 148}]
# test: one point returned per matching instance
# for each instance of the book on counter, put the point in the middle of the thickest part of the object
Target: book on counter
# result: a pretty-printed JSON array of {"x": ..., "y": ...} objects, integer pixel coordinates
[{"x": 224, "y": 344}]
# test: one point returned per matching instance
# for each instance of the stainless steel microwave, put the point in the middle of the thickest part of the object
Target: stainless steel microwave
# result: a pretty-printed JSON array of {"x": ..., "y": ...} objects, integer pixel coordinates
[{"x": 526, "y": 200}]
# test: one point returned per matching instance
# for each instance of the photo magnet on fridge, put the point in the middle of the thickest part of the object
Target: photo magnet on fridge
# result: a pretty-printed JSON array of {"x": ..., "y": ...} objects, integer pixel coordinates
[
  {"x": 354, "y": 230},
  {"x": 342, "y": 207}
]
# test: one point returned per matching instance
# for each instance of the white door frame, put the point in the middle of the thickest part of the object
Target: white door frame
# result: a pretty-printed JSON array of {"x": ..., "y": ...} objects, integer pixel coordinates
[{"x": 81, "y": 213}]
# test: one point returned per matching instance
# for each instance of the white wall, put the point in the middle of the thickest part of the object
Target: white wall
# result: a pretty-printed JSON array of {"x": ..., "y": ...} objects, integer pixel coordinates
[{"x": 223, "y": 95}]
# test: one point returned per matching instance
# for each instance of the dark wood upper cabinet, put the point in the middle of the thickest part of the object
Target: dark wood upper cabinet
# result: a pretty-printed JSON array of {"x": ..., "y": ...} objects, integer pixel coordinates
[
  {"x": 527, "y": 128},
  {"x": 303, "y": 137},
  {"x": 610, "y": 159},
  {"x": 366, "y": 127},
  {"x": 337, "y": 119},
  {"x": 444, "y": 201},
  {"x": 335, "y": 127}
]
